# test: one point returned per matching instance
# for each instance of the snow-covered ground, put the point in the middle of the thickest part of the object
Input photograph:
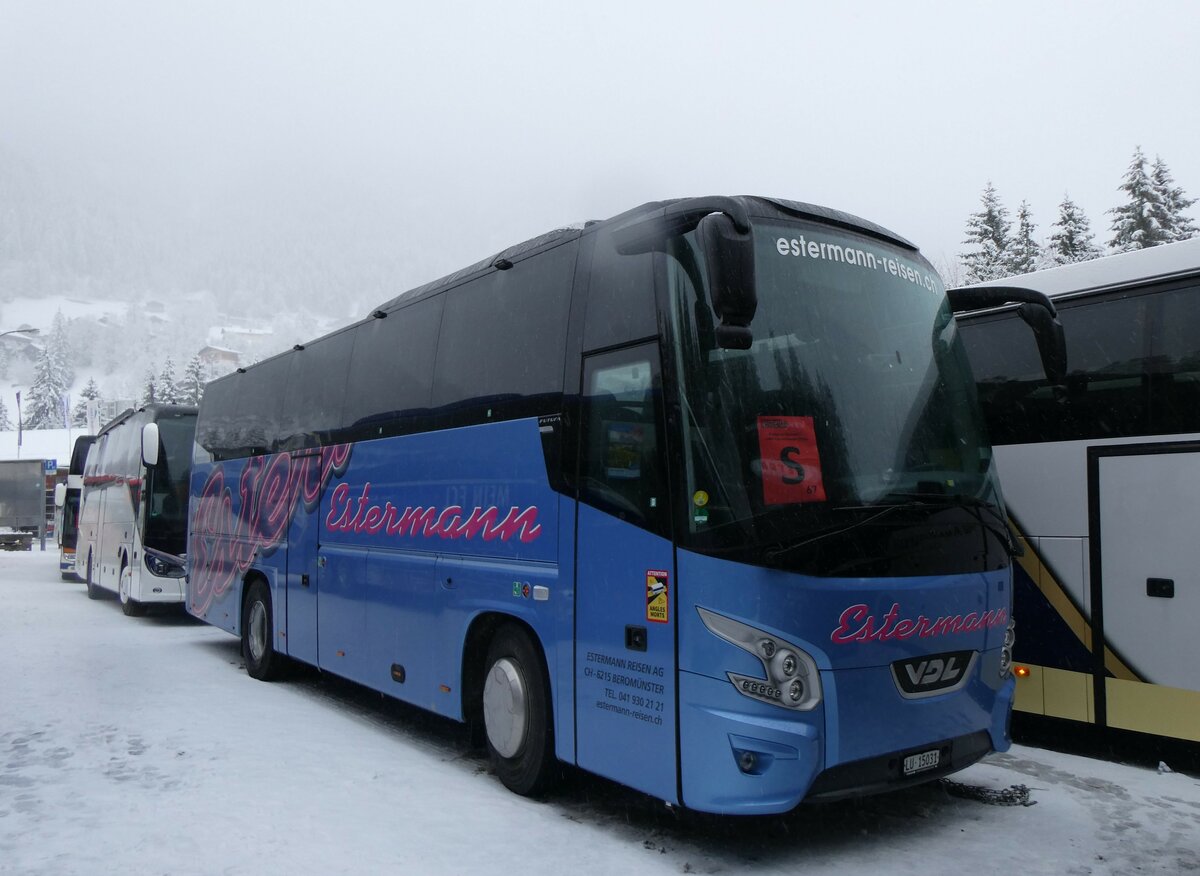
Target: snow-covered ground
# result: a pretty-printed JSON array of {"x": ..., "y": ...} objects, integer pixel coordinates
[{"x": 140, "y": 746}]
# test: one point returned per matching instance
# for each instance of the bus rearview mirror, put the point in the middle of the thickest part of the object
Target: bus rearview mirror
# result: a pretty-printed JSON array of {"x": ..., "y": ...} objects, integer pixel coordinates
[
  {"x": 729, "y": 264},
  {"x": 60, "y": 495},
  {"x": 150, "y": 444}
]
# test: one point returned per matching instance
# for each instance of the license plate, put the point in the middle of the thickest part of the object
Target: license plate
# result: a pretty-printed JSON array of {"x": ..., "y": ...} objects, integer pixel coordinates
[{"x": 926, "y": 760}]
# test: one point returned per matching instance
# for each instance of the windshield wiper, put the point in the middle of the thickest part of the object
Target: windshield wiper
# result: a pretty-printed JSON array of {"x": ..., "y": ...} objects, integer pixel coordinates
[
  {"x": 969, "y": 503},
  {"x": 830, "y": 531},
  {"x": 913, "y": 502}
]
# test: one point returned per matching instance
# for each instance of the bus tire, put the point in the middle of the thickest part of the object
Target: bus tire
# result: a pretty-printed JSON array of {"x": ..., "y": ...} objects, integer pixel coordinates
[
  {"x": 258, "y": 648},
  {"x": 129, "y": 605},
  {"x": 93, "y": 591},
  {"x": 516, "y": 714}
]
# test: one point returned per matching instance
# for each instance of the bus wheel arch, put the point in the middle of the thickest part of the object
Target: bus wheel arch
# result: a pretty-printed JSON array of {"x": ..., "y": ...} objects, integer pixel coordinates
[
  {"x": 506, "y": 689},
  {"x": 262, "y": 661}
]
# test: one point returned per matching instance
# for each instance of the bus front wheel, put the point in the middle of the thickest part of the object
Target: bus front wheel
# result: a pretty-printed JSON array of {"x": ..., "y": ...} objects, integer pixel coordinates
[
  {"x": 516, "y": 714},
  {"x": 258, "y": 649},
  {"x": 129, "y": 605}
]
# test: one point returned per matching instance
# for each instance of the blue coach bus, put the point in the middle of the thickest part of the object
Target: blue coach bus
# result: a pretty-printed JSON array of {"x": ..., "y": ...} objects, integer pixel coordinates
[{"x": 697, "y": 498}]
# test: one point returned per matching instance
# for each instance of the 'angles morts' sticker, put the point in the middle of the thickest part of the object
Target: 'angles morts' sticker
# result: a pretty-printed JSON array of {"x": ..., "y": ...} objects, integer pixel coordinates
[{"x": 657, "y": 593}]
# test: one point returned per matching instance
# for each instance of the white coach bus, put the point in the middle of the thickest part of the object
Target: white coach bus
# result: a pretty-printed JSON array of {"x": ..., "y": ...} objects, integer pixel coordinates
[
  {"x": 1101, "y": 475},
  {"x": 133, "y": 513}
]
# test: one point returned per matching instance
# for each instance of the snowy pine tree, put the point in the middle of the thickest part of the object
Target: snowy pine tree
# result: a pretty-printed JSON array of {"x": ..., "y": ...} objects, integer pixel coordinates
[
  {"x": 91, "y": 392},
  {"x": 6, "y": 424},
  {"x": 987, "y": 232},
  {"x": 44, "y": 404},
  {"x": 1072, "y": 240},
  {"x": 166, "y": 390},
  {"x": 149, "y": 394},
  {"x": 60, "y": 346},
  {"x": 1138, "y": 223},
  {"x": 1023, "y": 251},
  {"x": 1174, "y": 202},
  {"x": 191, "y": 385}
]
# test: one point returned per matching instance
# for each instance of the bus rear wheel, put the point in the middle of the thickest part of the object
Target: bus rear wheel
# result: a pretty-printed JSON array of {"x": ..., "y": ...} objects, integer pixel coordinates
[
  {"x": 93, "y": 591},
  {"x": 258, "y": 649},
  {"x": 516, "y": 714},
  {"x": 129, "y": 605}
]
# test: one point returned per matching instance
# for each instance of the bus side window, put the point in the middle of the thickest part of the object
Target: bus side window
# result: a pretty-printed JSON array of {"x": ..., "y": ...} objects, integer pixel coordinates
[
  {"x": 311, "y": 415},
  {"x": 622, "y": 456}
]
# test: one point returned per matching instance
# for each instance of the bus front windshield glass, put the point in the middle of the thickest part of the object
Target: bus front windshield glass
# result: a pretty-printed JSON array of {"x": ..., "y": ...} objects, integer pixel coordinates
[
  {"x": 847, "y": 440},
  {"x": 167, "y": 492}
]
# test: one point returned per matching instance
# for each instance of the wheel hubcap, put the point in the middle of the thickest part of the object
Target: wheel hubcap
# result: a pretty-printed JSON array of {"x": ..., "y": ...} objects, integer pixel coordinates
[
  {"x": 504, "y": 707},
  {"x": 258, "y": 631}
]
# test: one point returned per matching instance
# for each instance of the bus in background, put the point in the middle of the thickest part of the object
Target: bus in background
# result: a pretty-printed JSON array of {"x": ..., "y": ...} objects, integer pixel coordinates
[
  {"x": 66, "y": 504},
  {"x": 695, "y": 498},
  {"x": 133, "y": 511},
  {"x": 1101, "y": 476}
]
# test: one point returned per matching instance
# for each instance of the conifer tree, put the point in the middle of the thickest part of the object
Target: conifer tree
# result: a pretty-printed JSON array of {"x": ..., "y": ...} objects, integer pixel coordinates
[
  {"x": 1138, "y": 223},
  {"x": 5, "y": 423},
  {"x": 191, "y": 385},
  {"x": 44, "y": 406},
  {"x": 60, "y": 346},
  {"x": 1072, "y": 239},
  {"x": 149, "y": 393},
  {"x": 1174, "y": 201},
  {"x": 91, "y": 392},
  {"x": 1023, "y": 251},
  {"x": 987, "y": 233},
  {"x": 166, "y": 390}
]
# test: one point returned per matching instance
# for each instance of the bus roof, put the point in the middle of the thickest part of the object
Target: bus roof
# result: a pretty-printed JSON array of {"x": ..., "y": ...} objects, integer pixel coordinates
[
  {"x": 763, "y": 207},
  {"x": 1162, "y": 262}
]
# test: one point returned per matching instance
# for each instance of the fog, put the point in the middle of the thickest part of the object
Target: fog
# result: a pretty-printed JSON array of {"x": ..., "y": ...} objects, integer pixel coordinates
[{"x": 347, "y": 151}]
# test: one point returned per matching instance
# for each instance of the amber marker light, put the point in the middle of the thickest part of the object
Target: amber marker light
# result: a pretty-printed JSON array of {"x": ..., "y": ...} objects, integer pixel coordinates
[{"x": 1021, "y": 671}]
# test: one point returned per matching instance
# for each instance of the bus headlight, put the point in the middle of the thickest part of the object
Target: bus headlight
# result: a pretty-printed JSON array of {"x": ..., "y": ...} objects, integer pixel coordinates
[
  {"x": 792, "y": 680},
  {"x": 1006, "y": 653}
]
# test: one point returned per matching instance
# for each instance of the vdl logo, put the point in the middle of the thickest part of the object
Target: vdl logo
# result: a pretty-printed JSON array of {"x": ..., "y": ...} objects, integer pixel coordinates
[{"x": 937, "y": 674}]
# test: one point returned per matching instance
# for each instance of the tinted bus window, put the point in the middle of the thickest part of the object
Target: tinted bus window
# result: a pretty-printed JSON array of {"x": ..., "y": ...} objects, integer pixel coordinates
[
  {"x": 392, "y": 372},
  {"x": 502, "y": 341},
  {"x": 620, "y": 297},
  {"x": 259, "y": 396},
  {"x": 216, "y": 430},
  {"x": 316, "y": 392},
  {"x": 1174, "y": 363}
]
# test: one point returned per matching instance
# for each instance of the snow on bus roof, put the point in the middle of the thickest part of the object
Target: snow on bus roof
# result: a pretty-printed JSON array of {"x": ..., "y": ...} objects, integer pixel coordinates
[{"x": 1154, "y": 263}]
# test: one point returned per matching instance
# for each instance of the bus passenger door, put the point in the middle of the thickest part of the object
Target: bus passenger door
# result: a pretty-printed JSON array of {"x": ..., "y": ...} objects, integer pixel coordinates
[
  {"x": 300, "y": 603},
  {"x": 625, "y": 608},
  {"x": 1149, "y": 585}
]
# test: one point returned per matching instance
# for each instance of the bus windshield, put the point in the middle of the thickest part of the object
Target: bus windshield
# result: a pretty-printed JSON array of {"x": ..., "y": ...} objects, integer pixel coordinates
[
  {"x": 167, "y": 485},
  {"x": 847, "y": 440}
]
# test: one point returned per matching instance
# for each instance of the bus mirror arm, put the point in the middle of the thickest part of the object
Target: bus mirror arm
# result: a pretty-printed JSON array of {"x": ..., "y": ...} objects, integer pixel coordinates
[
  {"x": 1052, "y": 345},
  {"x": 1036, "y": 309},
  {"x": 723, "y": 227}
]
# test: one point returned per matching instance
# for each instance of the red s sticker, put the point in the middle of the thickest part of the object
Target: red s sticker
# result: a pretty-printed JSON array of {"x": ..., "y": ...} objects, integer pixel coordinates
[{"x": 791, "y": 466}]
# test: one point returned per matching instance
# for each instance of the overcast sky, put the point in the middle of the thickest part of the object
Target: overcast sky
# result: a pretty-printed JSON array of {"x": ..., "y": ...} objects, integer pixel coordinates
[{"x": 457, "y": 128}]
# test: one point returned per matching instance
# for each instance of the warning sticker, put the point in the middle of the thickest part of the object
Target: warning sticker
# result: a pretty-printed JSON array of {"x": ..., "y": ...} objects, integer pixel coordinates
[
  {"x": 657, "y": 593},
  {"x": 791, "y": 466}
]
